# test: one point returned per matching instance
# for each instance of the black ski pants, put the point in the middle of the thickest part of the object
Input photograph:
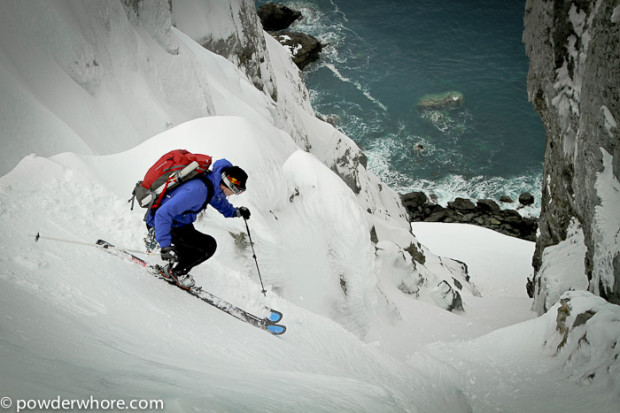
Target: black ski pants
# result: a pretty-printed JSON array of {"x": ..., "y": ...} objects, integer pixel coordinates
[{"x": 192, "y": 246}]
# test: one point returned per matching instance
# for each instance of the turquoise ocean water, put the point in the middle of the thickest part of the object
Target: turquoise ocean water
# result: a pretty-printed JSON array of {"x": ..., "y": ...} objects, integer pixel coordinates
[{"x": 382, "y": 57}]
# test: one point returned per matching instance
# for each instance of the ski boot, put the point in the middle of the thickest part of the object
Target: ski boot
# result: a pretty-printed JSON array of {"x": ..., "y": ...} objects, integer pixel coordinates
[{"x": 184, "y": 281}]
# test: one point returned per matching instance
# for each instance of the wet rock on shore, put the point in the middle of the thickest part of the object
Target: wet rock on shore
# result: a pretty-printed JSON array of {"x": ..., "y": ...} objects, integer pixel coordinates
[
  {"x": 275, "y": 18},
  {"x": 483, "y": 212}
]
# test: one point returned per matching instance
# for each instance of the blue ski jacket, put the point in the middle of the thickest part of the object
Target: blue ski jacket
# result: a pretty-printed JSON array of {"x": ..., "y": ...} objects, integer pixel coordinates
[{"x": 181, "y": 206}]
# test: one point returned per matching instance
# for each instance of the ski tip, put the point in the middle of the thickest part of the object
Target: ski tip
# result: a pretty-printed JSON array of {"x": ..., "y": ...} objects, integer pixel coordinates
[
  {"x": 276, "y": 329},
  {"x": 275, "y": 316}
]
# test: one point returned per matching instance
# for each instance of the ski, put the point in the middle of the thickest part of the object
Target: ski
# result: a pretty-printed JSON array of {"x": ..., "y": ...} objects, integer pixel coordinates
[{"x": 269, "y": 323}]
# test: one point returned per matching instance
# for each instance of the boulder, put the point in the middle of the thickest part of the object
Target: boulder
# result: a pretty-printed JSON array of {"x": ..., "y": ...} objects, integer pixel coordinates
[
  {"x": 438, "y": 216},
  {"x": 414, "y": 199},
  {"x": 462, "y": 204},
  {"x": 275, "y": 17},
  {"x": 441, "y": 100},
  {"x": 526, "y": 199},
  {"x": 488, "y": 205},
  {"x": 304, "y": 48}
]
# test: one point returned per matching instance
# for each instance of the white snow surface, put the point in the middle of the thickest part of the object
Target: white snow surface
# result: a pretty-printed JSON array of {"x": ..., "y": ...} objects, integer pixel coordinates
[
  {"x": 563, "y": 268},
  {"x": 100, "y": 93}
]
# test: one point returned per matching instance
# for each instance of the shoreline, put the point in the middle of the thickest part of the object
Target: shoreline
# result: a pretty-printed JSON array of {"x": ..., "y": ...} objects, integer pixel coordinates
[{"x": 483, "y": 212}]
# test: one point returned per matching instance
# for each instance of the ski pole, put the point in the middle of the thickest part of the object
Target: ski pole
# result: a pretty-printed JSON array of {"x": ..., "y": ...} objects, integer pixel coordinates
[
  {"x": 254, "y": 255},
  {"x": 89, "y": 244}
]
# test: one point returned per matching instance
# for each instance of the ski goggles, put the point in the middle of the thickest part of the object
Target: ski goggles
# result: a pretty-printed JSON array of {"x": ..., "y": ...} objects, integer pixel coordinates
[{"x": 232, "y": 183}]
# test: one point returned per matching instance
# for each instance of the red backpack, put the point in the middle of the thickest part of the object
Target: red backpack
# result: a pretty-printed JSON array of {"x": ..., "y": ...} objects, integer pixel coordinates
[{"x": 169, "y": 171}]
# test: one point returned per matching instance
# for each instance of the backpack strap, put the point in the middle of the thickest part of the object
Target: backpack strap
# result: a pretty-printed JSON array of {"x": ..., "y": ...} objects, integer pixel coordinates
[
  {"x": 210, "y": 189},
  {"x": 152, "y": 208},
  {"x": 161, "y": 196}
]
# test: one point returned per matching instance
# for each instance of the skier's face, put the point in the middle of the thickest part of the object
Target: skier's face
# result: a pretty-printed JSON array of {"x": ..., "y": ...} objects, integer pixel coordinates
[
  {"x": 232, "y": 184},
  {"x": 226, "y": 191}
]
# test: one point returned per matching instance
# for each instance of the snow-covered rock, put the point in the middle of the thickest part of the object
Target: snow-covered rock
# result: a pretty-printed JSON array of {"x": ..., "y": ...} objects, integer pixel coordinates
[
  {"x": 554, "y": 363},
  {"x": 585, "y": 340}
]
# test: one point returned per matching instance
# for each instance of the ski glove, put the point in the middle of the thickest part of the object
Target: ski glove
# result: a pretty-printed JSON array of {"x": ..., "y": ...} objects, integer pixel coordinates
[
  {"x": 169, "y": 254},
  {"x": 243, "y": 212}
]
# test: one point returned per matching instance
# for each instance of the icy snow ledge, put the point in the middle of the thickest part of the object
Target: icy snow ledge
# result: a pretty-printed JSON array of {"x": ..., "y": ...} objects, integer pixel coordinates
[
  {"x": 563, "y": 269},
  {"x": 610, "y": 121},
  {"x": 587, "y": 339},
  {"x": 606, "y": 229}
]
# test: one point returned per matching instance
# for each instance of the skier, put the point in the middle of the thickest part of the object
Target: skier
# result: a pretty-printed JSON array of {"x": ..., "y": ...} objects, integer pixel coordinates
[{"x": 181, "y": 244}]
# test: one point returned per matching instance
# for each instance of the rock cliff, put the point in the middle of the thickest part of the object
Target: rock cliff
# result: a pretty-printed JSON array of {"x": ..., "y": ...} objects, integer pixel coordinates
[{"x": 573, "y": 83}]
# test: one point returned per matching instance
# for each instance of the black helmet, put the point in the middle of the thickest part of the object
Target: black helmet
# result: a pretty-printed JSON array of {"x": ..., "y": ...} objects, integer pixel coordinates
[{"x": 234, "y": 178}]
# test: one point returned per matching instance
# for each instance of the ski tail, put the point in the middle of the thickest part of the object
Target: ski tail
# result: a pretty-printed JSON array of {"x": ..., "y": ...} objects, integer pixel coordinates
[{"x": 106, "y": 245}]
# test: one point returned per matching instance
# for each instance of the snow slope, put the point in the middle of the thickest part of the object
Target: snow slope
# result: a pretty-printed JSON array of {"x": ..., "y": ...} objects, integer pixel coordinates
[
  {"x": 100, "y": 78},
  {"x": 90, "y": 86},
  {"x": 79, "y": 322}
]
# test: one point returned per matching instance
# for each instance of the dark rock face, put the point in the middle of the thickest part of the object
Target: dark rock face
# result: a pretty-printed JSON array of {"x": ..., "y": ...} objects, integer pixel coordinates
[
  {"x": 573, "y": 84},
  {"x": 526, "y": 199},
  {"x": 304, "y": 48},
  {"x": 485, "y": 213},
  {"x": 414, "y": 199},
  {"x": 244, "y": 46},
  {"x": 276, "y": 17}
]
